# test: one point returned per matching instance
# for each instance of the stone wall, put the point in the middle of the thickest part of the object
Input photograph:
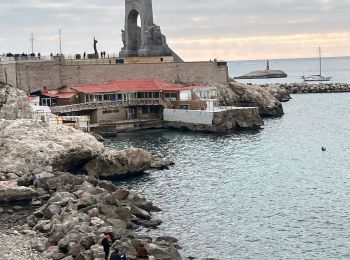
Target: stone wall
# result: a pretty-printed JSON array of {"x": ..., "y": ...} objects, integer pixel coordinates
[
  {"x": 232, "y": 119},
  {"x": 32, "y": 76},
  {"x": 188, "y": 116}
]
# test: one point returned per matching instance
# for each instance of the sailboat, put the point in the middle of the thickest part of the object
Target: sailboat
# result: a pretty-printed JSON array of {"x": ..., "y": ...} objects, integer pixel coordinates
[{"x": 318, "y": 77}]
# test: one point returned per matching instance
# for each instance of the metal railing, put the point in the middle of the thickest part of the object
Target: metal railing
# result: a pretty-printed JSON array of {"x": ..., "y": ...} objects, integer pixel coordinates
[{"x": 68, "y": 57}]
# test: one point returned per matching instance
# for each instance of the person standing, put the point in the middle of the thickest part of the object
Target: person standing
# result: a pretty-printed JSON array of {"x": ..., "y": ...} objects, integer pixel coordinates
[
  {"x": 84, "y": 55},
  {"x": 115, "y": 255},
  {"x": 106, "y": 243},
  {"x": 142, "y": 251}
]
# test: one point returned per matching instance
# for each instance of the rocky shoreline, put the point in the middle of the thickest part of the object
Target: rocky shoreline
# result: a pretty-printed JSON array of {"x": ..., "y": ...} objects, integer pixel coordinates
[
  {"x": 54, "y": 196},
  {"x": 304, "y": 88},
  {"x": 56, "y": 167},
  {"x": 59, "y": 178}
]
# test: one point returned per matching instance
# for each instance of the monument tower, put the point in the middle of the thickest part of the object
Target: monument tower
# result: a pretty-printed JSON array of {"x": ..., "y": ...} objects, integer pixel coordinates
[{"x": 144, "y": 41}]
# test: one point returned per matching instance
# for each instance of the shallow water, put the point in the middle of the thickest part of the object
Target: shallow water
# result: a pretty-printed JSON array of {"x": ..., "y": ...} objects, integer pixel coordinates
[{"x": 272, "y": 194}]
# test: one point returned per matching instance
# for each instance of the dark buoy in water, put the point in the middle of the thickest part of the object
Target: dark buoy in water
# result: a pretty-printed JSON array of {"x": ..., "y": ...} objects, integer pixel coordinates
[{"x": 324, "y": 149}]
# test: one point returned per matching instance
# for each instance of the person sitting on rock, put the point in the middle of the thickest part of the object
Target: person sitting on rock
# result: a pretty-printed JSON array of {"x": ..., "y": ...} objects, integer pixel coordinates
[
  {"x": 106, "y": 243},
  {"x": 115, "y": 255},
  {"x": 142, "y": 251}
]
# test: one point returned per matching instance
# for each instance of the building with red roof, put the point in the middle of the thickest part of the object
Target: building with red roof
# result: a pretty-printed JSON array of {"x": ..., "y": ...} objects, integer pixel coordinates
[{"x": 116, "y": 101}]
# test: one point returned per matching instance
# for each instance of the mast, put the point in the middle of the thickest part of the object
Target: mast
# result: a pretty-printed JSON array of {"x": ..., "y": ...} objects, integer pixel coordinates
[{"x": 319, "y": 49}]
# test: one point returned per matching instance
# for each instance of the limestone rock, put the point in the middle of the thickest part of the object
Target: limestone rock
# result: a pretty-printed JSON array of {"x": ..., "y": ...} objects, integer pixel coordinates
[
  {"x": 264, "y": 74},
  {"x": 252, "y": 95},
  {"x": 29, "y": 147},
  {"x": 164, "y": 252},
  {"x": 280, "y": 93},
  {"x": 10, "y": 191},
  {"x": 39, "y": 244},
  {"x": 119, "y": 163},
  {"x": 14, "y": 103}
]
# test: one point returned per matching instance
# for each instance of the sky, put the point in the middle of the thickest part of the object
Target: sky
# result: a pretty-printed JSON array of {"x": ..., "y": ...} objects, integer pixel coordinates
[{"x": 195, "y": 29}]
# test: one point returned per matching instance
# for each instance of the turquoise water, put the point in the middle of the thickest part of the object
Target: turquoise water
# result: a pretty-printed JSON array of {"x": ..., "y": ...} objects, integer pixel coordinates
[
  {"x": 338, "y": 68},
  {"x": 271, "y": 194}
]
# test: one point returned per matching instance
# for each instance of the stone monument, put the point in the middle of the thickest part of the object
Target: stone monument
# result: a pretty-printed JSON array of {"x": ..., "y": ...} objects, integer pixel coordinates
[{"x": 144, "y": 41}]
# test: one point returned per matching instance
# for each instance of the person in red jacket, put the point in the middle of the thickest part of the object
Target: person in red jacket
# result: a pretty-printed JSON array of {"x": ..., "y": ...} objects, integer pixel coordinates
[
  {"x": 106, "y": 243},
  {"x": 142, "y": 252}
]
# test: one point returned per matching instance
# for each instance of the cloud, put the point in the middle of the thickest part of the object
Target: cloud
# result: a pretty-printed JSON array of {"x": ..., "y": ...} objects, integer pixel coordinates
[{"x": 197, "y": 30}]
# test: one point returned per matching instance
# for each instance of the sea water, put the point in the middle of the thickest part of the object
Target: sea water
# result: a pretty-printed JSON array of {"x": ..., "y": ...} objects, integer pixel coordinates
[
  {"x": 269, "y": 194},
  {"x": 337, "y": 68}
]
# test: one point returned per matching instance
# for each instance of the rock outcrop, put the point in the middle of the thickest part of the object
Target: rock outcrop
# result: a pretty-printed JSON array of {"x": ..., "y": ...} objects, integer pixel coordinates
[
  {"x": 119, "y": 163},
  {"x": 264, "y": 74},
  {"x": 252, "y": 95},
  {"x": 30, "y": 148},
  {"x": 13, "y": 103},
  {"x": 281, "y": 94}
]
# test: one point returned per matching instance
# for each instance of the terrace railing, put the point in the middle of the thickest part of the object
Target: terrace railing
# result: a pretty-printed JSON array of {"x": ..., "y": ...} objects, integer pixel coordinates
[{"x": 110, "y": 104}]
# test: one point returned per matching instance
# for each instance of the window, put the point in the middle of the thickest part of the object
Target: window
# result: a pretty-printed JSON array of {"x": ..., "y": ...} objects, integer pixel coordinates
[
  {"x": 156, "y": 95},
  {"x": 171, "y": 96},
  {"x": 140, "y": 95}
]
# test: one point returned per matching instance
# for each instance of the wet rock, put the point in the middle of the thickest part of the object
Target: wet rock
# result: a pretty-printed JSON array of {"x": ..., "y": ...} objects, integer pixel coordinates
[{"x": 161, "y": 164}]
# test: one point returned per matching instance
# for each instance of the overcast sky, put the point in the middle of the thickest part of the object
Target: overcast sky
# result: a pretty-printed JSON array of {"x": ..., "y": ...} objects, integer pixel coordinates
[{"x": 196, "y": 29}]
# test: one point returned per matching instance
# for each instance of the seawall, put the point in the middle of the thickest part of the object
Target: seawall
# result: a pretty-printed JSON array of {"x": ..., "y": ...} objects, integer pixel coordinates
[
  {"x": 304, "y": 88},
  {"x": 34, "y": 75}
]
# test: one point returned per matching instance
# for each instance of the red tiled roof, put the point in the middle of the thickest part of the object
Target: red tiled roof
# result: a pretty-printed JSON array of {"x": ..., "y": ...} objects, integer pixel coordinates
[{"x": 148, "y": 85}]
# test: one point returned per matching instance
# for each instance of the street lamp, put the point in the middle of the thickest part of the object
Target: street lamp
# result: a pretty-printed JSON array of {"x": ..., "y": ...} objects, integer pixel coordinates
[{"x": 60, "y": 39}]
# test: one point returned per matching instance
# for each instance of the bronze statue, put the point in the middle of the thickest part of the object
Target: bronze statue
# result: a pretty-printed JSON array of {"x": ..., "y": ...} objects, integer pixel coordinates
[{"x": 95, "y": 46}]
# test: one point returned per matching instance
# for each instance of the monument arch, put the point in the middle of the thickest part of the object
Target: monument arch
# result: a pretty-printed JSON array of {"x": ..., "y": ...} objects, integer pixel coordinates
[{"x": 147, "y": 39}]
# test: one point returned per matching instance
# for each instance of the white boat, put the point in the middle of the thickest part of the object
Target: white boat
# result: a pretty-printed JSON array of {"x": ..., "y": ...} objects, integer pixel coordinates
[{"x": 318, "y": 77}]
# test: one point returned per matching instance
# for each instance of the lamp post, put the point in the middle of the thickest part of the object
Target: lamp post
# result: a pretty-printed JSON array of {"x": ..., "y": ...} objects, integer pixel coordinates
[
  {"x": 60, "y": 40},
  {"x": 32, "y": 41}
]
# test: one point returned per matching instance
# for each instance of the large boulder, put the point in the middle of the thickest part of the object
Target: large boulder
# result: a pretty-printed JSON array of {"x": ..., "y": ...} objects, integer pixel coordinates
[
  {"x": 252, "y": 95},
  {"x": 31, "y": 147},
  {"x": 9, "y": 191},
  {"x": 114, "y": 164},
  {"x": 13, "y": 103},
  {"x": 280, "y": 93}
]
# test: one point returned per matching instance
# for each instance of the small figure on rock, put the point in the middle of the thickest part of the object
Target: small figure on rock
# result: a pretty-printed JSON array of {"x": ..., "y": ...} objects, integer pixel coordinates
[
  {"x": 106, "y": 243},
  {"x": 142, "y": 252},
  {"x": 115, "y": 255}
]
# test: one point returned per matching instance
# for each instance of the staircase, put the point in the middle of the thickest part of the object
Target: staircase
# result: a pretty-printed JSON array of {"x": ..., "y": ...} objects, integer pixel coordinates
[{"x": 166, "y": 103}]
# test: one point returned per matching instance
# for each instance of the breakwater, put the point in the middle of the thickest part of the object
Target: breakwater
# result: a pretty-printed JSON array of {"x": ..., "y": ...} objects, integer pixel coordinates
[{"x": 303, "y": 88}]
